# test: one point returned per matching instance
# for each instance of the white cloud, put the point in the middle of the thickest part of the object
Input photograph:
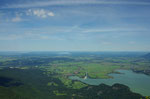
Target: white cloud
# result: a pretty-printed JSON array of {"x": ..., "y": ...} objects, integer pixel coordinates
[
  {"x": 40, "y": 13},
  {"x": 50, "y": 14},
  {"x": 119, "y": 29},
  {"x": 16, "y": 19}
]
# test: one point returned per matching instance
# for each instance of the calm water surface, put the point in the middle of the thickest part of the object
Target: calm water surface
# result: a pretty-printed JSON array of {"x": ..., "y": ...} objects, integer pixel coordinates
[{"x": 139, "y": 83}]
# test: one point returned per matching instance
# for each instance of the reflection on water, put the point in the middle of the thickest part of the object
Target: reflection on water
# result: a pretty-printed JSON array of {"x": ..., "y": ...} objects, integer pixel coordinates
[{"x": 137, "y": 82}]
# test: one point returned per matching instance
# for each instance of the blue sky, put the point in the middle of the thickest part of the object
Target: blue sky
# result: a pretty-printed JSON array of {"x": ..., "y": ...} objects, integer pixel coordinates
[{"x": 74, "y": 25}]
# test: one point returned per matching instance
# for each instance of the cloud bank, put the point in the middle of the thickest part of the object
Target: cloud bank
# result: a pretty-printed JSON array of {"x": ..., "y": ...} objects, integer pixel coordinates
[{"x": 39, "y": 13}]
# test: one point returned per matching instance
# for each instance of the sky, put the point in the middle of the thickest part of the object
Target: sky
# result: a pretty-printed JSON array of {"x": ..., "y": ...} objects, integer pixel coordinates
[{"x": 74, "y": 25}]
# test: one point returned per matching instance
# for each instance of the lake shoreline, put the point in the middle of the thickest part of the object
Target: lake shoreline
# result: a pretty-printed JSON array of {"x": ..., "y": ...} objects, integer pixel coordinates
[{"x": 125, "y": 77}]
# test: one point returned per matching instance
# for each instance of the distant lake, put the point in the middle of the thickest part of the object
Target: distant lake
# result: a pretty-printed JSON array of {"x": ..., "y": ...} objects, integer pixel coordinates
[{"x": 137, "y": 82}]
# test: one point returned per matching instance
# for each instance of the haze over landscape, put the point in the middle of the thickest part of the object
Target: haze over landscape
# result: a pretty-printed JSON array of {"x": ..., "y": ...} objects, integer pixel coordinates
[
  {"x": 74, "y": 25},
  {"x": 74, "y": 49}
]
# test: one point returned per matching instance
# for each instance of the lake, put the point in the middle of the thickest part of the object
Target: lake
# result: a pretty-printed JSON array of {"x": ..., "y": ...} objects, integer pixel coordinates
[{"x": 139, "y": 83}]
